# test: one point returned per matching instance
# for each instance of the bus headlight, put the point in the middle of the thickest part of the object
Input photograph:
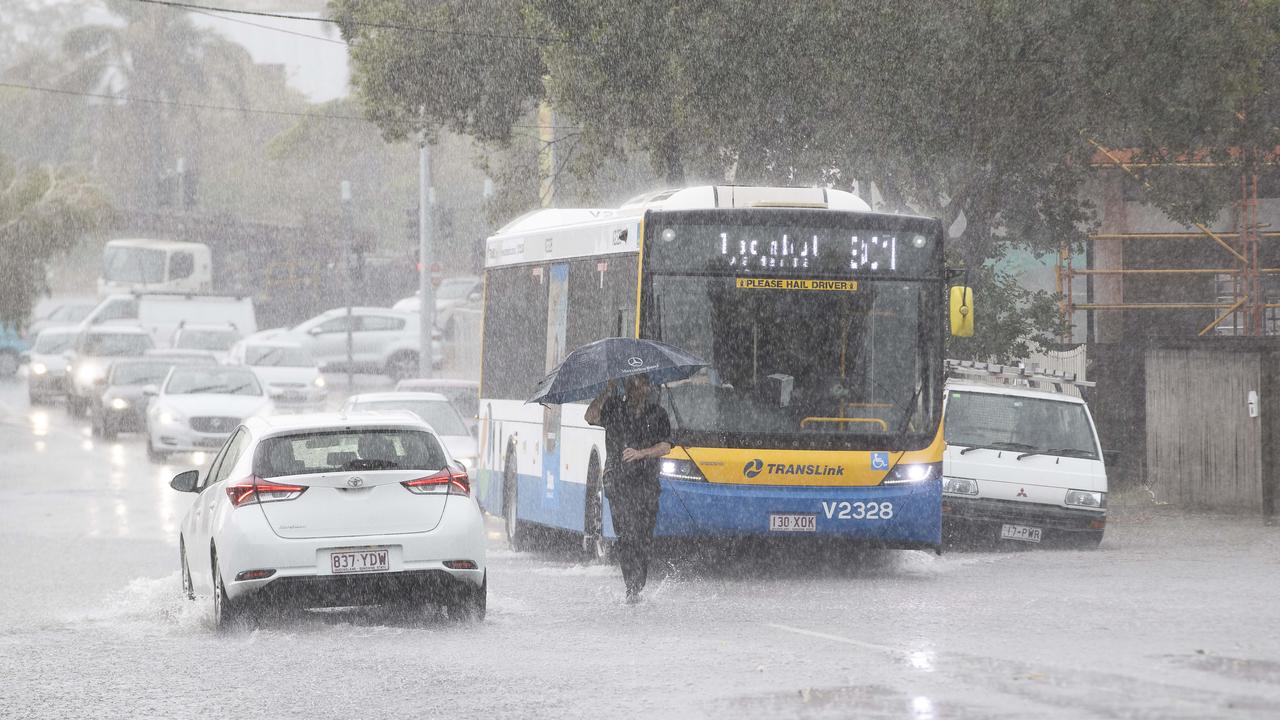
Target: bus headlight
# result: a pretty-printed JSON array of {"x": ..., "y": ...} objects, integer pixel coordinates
[
  {"x": 686, "y": 470},
  {"x": 913, "y": 473},
  {"x": 1087, "y": 499},
  {"x": 959, "y": 486}
]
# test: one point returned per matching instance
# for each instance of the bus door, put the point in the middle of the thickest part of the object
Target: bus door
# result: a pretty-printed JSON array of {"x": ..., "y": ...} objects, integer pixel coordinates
[{"x": 557, "y": 325}]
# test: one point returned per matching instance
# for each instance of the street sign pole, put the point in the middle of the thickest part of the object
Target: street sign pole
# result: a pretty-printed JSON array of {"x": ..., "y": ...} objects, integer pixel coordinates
[
  {"x": 349, "y": 231},
  {"x": 426, "y": 294}
]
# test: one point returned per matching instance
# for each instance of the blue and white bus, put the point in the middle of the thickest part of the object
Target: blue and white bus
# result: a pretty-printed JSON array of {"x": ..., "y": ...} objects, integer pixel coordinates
[{"x": 823, "y": 324}]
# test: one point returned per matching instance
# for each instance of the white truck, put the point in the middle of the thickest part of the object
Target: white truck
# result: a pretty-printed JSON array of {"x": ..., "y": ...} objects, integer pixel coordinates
[
  {"x": 1023, "y": 462},
  {"x": 161, "y": 314},
  {"x": 135, "y": 265}
]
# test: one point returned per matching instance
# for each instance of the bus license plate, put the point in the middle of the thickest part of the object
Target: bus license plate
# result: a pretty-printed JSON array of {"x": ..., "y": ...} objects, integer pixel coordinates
[
  {"x": 359, "y": 561},
  {"x": 793, "y": 522},
  {"x": 1020, "y": 532}
]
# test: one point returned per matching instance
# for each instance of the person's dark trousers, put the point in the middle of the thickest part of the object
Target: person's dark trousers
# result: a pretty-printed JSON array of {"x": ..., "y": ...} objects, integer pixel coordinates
[{"x": 634, "y": 515}]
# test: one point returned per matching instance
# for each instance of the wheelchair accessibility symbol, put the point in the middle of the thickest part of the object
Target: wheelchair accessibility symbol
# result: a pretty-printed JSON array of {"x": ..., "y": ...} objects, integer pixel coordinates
[{"x": 879, "y": 461}]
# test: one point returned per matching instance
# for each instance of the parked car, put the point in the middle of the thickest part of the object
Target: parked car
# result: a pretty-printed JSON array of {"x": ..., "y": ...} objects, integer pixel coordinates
[
  {"x": 214, "y": 338},
  {"x": 199, "y": 357},
  {"x": 291, "y": 375},
  {"x": 199, "y": 406},
  {"x": 95, "y": 350},
  {"x": 464, "y": 394},
  {"x": 1022, "y": 465},
  {"x": 13, "y": 351},
  {"x": 162, "y": 314},
  {"x": 50, "y": 359},
  {"x": 332, "y": 510},
  {"x": 452, "y": 292},
  {"x": 62, "y": 314},
  {"x": 122, "y": 404},
  {"x": 383, "y": 340},
  {"x": 434, "y": 409}
]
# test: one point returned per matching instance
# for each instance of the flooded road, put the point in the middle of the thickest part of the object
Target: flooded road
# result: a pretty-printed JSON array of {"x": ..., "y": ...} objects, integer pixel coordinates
[{"x": 1174, "y": 617}]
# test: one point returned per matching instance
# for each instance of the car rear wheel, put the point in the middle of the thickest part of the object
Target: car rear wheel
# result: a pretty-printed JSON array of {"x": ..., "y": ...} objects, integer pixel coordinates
[
  {"x": 469, "y": 604},
  {"x": 517, "y": 534},
  {"x": 225, "y": 612},
  {"x": 403, "y": 364}
]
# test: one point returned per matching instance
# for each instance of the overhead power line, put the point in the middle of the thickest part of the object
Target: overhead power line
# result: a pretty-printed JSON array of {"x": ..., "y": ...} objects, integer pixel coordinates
[
  {"x": 359, "y": 23},
  {"x": 230, "y": 108},
  {"x": 286, "y": 31}
]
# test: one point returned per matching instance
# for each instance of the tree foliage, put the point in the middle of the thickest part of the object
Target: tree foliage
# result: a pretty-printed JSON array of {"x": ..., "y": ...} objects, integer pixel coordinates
[
  {"x": 986, "y": 113},
  {"x": 44, "y": 211}
]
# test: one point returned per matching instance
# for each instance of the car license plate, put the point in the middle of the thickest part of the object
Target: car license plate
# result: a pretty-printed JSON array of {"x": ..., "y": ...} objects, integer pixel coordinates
[
  {"x": 793, "y": 522},
  {"x": 294, "y": 396},
  {"x": 359, "y": 561},
  {"x": 1020, "y": 532}
]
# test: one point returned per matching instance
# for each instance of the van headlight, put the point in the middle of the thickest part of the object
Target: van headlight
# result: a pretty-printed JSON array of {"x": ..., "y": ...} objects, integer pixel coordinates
[
  {"x": 903, "y": 474},
  {"x": 87, "y": 374},
  {"x": 959, "y": 486},
  {"x": 39, "y": 368},
  {"x": 119, "y": 404},
  {"x": 1086, "y": 499},
  {"x": 319, "y": 381}
]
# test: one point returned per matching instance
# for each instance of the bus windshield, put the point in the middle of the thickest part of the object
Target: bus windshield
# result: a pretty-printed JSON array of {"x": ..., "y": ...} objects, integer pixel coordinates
[
  {"x": 133, "y": 265},
  {"x": 798, "y": 358}
]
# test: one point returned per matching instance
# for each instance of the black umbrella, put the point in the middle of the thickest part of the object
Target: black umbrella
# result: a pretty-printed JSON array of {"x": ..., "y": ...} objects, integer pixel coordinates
[{"x": 587, "y": 370}]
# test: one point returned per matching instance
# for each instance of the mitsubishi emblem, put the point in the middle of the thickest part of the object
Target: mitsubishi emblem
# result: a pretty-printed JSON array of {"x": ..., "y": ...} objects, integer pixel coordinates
[
  {"x": 1022, "y": 492},
  {"x": 355, "y": 482}
]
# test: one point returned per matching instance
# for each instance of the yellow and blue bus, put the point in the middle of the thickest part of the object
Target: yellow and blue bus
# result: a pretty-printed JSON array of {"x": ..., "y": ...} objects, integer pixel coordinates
[{"x": 823, "y": 325}]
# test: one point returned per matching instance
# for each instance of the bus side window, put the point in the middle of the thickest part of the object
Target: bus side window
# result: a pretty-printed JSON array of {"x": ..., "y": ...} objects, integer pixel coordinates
[{"x": 181, "y": 265}]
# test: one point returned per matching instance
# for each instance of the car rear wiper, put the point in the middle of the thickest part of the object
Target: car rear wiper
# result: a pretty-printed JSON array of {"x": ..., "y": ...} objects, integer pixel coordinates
[{"x": 998, "y": 446}]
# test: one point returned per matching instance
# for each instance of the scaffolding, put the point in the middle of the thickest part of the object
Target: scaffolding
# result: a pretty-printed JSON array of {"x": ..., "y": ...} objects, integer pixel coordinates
[{"x": 1241, "y": 295}]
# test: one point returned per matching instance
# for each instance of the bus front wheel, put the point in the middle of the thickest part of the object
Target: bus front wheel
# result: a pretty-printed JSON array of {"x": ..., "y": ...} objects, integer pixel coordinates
[
  {"x": 517, "y": 534},
  {"x": 595, "y": 548}
]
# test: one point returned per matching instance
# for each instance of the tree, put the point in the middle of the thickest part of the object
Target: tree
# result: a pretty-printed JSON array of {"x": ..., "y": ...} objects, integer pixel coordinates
[
  {"x": 44, "y": 211},
  {"x": 980, "y": 112}
]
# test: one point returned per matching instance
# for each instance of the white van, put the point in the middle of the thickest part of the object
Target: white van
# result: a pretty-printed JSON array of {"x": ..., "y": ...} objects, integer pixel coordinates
[
  {"x": 1022, "y": 464},
  {"x": 163, "y": 314},
  {"x": 144, "y": 265}
]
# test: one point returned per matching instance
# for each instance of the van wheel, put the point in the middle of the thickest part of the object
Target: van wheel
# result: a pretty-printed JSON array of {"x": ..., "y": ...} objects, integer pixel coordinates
[
  {"x": 403, "y": 364},
  {"x": 517, "y": 534},
  {"x": 595, "y": 548}
]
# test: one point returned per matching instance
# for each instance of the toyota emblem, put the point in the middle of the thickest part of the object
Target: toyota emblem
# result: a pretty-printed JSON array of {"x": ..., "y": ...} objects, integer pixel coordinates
[
  {"x": 355, "y": 482},
  {"x": 635, "y": 361}
]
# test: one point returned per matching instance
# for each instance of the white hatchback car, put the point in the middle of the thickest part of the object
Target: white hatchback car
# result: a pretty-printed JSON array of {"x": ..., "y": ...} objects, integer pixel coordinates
[
  {"x": 291, "y": 375},
  {"x": 434, "y": 409},
  {"x": 382, "y": 340},
  {"x": 329, "y": 510},
  {"x": 199, "y": 406}
]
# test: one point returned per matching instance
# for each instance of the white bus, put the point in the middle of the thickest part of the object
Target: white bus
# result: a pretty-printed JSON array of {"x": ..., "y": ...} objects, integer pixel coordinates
[
  {"x": 823, "y": 323},
  {"x": 155, "y": 266}
]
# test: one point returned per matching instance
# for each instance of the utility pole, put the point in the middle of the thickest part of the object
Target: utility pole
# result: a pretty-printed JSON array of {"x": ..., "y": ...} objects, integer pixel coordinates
[
  {"x": 426, "y": 293},
  {"x": 349, "y": 229}
]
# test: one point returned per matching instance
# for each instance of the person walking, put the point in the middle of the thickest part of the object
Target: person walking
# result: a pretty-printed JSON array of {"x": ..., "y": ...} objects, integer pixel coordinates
[{"x": 637, "y": 433}]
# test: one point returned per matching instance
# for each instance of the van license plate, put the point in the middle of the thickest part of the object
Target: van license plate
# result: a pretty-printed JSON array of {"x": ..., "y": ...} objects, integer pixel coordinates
[
  {"x": 359, "y": 561},
  {"x": 1020, "y": 532},
  {"x": 793, "y": 522}
]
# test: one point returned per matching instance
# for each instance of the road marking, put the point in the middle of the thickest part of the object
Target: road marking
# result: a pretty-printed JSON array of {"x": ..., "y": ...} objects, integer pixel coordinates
[{"x": 838, "y": 638}]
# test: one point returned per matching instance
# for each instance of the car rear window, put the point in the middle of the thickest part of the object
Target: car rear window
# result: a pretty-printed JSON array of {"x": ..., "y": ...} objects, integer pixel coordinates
[{"x": 348, "y": 450}]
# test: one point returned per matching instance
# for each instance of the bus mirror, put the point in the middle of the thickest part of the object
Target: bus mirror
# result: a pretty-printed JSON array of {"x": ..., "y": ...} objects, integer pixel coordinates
[{"x": 961, "y": 311}]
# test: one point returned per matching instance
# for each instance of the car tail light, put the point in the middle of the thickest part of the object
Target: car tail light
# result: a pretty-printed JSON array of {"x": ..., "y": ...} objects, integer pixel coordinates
[
  {"x": 449, "y": 481},
  {"x": 254, "y": 488}
]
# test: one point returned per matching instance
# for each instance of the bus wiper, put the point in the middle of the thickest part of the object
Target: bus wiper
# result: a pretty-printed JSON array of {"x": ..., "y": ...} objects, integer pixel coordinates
[{"x": 911, "y": 413}]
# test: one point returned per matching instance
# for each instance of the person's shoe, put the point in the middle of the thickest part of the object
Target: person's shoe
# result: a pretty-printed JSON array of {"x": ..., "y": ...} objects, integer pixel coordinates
[{"x": 633, "y": 597}]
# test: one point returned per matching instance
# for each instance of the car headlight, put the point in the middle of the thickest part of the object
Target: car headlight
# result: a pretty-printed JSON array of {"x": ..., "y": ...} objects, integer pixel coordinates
[
  {"x": 903, "y": 474},
  {"x": 119, "y": 404},
  {"x": 39, "y": 368},
  {"x": 686, "y": 470},
  {"x": 88, "y": 373},
  {"x": 319, "y": 381},
  {"x": 959, "y": 486},
  {"x": 1086, "y": 498},
  {"x": 169, "y": 417}
]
